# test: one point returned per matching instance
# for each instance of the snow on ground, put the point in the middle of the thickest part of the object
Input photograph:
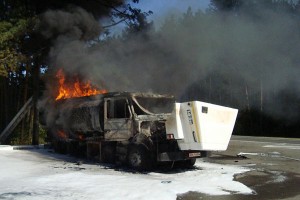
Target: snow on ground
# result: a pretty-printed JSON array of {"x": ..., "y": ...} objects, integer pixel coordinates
[{"x": 38, "y": 174}]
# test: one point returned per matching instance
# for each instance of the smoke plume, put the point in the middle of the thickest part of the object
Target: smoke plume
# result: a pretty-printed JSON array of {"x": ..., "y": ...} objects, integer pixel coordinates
[
  {"x": 241, "y": 61},
  {"x": 74, "y": 24}
]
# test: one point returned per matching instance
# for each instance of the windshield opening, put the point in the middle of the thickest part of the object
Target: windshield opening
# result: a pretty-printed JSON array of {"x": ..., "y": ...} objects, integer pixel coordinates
[{"x": 153, "y": 105}]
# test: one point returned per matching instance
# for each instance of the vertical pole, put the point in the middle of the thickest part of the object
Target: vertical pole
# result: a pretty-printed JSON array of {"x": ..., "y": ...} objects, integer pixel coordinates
[
  {"x": 261, "y": 96},
  {"x": 247, "y": 98},
  {"x": 35, "y": 131},
  {"x": 24, "y": 101},
  {"x": 210, "y": 88},
  {"x": 261, "y": 106}
]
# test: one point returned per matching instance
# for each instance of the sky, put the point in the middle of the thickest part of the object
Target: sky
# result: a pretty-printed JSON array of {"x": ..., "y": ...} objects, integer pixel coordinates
[
  {"x": 163, "y": 8},
  {"x": 160, "y": 7}
]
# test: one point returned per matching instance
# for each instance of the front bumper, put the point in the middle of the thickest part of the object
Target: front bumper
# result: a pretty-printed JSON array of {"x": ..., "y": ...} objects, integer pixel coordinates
[{"x": 177, "y": 156}]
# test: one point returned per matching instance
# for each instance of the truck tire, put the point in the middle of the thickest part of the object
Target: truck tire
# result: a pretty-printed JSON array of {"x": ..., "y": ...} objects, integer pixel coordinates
[
  {"x": 186, "y": 163},
  {"x": 190, "y": 162},
  {"x": 138, "y": 158}
]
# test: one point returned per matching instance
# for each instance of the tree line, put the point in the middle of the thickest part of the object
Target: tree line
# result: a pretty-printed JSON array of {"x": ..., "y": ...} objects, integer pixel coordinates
[{"x": 239, "y": 52}]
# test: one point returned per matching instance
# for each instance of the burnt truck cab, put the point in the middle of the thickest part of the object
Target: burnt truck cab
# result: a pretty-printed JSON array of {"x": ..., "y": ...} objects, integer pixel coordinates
[
  {"x": 140, "y": 129},
  {"x": 137, "y": 121},
  {"x": 129, "y": 114}
]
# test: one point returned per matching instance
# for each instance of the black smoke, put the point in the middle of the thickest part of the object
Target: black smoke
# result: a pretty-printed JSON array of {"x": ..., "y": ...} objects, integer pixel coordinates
[{"x": 244, "y": 61}]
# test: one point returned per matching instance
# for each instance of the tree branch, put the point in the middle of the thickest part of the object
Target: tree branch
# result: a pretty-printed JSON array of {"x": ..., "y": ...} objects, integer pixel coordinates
[{"x": 114, "y": 24}]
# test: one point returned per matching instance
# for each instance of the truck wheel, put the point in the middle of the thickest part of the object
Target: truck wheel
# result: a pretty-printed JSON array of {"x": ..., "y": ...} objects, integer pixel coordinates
[
  {"x": 138, "y": 157},
  {"x": 187, "y": 163},
  {"x": 190, "y": 162}
]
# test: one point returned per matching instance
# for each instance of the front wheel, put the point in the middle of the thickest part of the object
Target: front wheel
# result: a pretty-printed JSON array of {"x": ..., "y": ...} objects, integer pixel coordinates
[
  {"x": 190, "y": 162},
  {"x": 187, "y": 163},
  {"x": 139, "y": 158}
]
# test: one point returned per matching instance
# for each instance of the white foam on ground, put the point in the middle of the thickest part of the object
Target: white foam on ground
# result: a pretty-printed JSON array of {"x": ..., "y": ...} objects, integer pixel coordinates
[
  {"x": 6, "y": 147},
  {"x": 244, "y": 153},
  {"x": 35, "y": 174}
]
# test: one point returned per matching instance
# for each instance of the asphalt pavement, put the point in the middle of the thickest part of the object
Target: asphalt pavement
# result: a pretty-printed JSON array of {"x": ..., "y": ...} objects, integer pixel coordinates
[{"x": 274, "y": 164}]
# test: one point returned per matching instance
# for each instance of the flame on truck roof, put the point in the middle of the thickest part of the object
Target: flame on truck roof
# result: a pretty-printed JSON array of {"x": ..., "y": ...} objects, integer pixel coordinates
[{"x": 117, "y": 94}]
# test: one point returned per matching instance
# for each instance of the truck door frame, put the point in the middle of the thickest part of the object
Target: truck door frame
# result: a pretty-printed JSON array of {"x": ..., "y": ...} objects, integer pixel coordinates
[{"x": 118, "y": 125}]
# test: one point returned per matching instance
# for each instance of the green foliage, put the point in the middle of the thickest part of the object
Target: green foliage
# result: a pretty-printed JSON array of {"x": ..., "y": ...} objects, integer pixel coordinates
[
  {"x": 11, "y": 33},
  {"x": 42, "y": 134},
  {"x": 22, "y": 49},
  {"x": 17, "y": 138}
]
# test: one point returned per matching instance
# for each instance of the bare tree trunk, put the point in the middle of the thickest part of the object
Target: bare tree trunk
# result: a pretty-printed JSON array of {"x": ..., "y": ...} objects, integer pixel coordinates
[
  {"x": 261, "y": 106},
  {"x": 24, "y": 101},
  {"x": 30, "y": 122},
  {"x": 230, "y": 92},
  {"x": 6, "y": 101},
  {"x": 261, "y": 96},
  {"x": 247, "y": 98},
  {"x": 209, "y": 88},
  {"x": 35, "y": 131},
  {"x": 2, "y": 102}
]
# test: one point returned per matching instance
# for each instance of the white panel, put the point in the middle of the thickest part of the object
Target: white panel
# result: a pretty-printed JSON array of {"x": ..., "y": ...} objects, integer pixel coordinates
[
  {"x": 173, "y": 124},
  {"x": 203, "y": 126}
]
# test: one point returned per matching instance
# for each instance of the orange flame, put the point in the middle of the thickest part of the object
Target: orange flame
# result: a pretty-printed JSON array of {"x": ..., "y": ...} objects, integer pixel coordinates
[
  {"x": 61, "y": 134},
  {"x": 76, "y": 89}
]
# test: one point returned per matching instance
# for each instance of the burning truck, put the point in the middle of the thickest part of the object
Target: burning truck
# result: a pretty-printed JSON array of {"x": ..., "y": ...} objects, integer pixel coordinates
[
  {"x": 138, "y": 129},
  {"x": 141, "y": 129}
]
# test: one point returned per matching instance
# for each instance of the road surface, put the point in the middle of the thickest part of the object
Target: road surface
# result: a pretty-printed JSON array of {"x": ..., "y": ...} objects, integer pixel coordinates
[
  {"x": 274, "y": 164},
  {"x": 251, "y": 168}
]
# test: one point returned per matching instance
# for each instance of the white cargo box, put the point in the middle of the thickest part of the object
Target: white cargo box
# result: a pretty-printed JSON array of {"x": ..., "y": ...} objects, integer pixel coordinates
[{"x": 201, "y": 126}]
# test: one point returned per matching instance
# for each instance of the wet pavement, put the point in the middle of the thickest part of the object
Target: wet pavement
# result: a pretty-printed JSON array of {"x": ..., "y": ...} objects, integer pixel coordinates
[{"x": 274, "y": 164}]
